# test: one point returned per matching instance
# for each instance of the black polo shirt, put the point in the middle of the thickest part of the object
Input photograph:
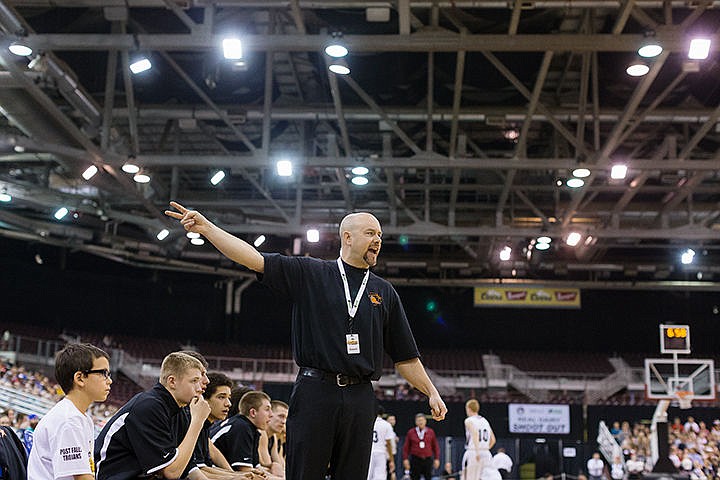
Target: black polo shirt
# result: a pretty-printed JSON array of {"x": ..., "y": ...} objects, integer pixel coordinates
[
  {"x": 237, "y": 439},
  {"x": 320, "y": 317},
  {"x": 140, "y": 439},
  {"x": 201, "y": 452}
]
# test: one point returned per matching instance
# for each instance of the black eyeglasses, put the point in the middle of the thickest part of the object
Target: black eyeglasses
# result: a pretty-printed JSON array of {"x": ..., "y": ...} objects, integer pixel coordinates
[{"x": 102, "y": 371}]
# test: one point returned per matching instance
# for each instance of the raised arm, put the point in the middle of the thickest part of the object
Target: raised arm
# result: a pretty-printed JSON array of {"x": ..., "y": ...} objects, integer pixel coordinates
[
  {"x": 414, "y": 372},
  {"x": 199, "y": 410},
  {"x": 232, "y": 247}
]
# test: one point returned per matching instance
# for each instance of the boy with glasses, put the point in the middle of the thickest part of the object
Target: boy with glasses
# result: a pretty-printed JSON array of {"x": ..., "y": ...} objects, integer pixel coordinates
[{"x": 64, "y": 438}]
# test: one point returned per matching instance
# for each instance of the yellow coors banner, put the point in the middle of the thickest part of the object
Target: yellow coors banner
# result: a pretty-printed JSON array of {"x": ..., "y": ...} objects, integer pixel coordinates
[{"x": 527, "y": 297}]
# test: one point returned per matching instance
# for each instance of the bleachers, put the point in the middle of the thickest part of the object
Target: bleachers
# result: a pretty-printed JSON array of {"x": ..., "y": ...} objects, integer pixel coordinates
[{"x": 566, "y": 362}]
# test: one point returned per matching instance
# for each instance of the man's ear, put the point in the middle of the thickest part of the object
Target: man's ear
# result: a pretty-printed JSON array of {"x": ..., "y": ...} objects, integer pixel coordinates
[
  {"x": 171, "y": 382},
  {"x": 252, "y": 413},
  {"x": 79, "y": 379}
]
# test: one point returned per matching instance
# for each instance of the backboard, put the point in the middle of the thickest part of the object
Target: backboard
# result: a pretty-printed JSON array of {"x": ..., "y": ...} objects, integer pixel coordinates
[{"x": 666, "y": 376}]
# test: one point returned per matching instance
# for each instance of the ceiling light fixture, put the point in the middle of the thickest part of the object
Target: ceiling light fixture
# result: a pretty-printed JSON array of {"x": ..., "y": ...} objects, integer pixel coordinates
[
  {"x": 505, "y": 253},
  {"x": 699, "y": 48},
  {"x": 130, "y": 168},
  {"x": 336, "y": 47},
  {"x": 192, "y": 235},
  {"x": 140, "y": 65},
  {"x": 360, "y": 171},
  {"x": 218, "y": 177},
  {"x": 339, "y": 67},
  {"x": 4, "y": 196},
  {"x": 259, "y": 241},
  {"x": 575, "y": 183},
  {"x": 544, "y": 239},
  {"x": 581, "y": 172},
  {"x": 650, "y": 50},
  {"x": 60, "y": 213},
  {"x": 232, "y": 48},
  {"x": 687, "y": 256},
  {"x": 284, "y": 168},
  {"x": 542, "y": 246},
  {"x": 359, "y": 180},
  {"x": 141, "y": 178},
  {"x": 637, "y": 69},
  {"x": 90, "y": 172},
  {"x": 573, "y": 239},
  {"x": 618, "y": 172},
  {"x": 20, "y": 49},
  {"x": 197, "y": 241},
  {"x": 313, "y": 235},
  {"x": 162, "y": 234}
]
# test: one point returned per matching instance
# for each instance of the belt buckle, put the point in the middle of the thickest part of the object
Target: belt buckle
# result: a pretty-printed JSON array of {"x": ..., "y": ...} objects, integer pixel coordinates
[{"x": 338, "y": 379}]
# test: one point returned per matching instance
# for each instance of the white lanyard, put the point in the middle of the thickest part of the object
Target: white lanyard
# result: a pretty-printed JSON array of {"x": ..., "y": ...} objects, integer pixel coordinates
[
  {"x": 421, "y": 437},
  {"x": 352, "y": 306}
]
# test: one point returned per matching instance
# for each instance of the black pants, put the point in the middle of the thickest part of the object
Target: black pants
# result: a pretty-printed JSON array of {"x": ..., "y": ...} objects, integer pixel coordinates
[
  {"x": 420, "y": 466},
  {"x": 330, "y": 426}
]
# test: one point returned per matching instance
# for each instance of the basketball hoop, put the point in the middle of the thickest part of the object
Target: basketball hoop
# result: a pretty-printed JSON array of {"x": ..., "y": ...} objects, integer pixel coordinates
[{"x": 684, "y": 399}]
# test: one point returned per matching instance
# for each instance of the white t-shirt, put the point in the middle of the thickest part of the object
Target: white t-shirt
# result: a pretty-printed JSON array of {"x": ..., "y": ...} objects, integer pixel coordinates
[
  {"x": 64, "y": 443},
  {"x": 382, "y": 432},
  {"x": 502, "y": 461},
  {"x": 484, "y": 433},
  {"x": 595, "y": 467}
]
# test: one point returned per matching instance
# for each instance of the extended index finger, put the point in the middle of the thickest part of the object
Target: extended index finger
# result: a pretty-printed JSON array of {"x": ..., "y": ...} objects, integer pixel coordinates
[{"x": 179, "y": 207}]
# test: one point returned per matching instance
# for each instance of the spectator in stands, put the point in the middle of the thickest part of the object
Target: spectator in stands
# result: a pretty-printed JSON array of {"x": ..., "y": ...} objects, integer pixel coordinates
[
  {"x": 64, "y": 440},
  {"x": 5, "y": 422},
  {"x": 595, "y": 467},
  {"x": 421, "y": 452},
  {"x": 635, "y": 467},
  {"x": 140, "y": 439},
  {"x": 238, "y": 437},
  {"x": 691, "y": 425},
  {"x": 617, "y": 468},
  {"x": 29, "y": 432},
  {"x": 615, "y": 430},
  {"x": 447, "y": 473},
  {"x": 676, "y": 425},
  {"x": 338, "y": 353},
  {"x": 503, "y": 463}
]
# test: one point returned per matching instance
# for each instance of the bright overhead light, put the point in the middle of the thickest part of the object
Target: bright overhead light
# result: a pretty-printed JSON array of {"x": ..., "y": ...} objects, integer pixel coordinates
[
  {"x": 19, "y": 149},
  {"x": 542, "y": 246},
  {"x": 197, "y": 241},
  {"x": 313, "y": 235},
  {"x": 162, "y": 234},
  {"x": 359, "y": 180},
  {"x": 637, "y": 70},
  {"x": 505, "y": 253},
  {"x": 339, "y": 69},
  {"x": 20, "y": 49},
  {"x": 130, "y": 168},
  {"x": 232, "y": 48},
  {"x": 284, "y": 168},
  {"x": 90, "y": 172},
  {"x": 575, "y": 183},
  {"x": 259, "y": 241},
  {"x": 581, "y": 172},
  {"x": 573, "y": 239},
  {"x": 140, "y": 66},
  {"x": 141, "y": 178},
  {"x": 618, "y": 172},
  {"x": 60, "y": 213},
  {"x": 336, "y": 50},
  {"x": 687, "y": 256},
  {"x": 218, "y": 177},
  {"x": 699, "y": 48},
  {"x": 192, "y": 235},
  {"x": 650, "y": 50},
  {"x": 5, "y": 197},
  {"x": 544, "y": 239},
  {"x": 360, "y": 171}
]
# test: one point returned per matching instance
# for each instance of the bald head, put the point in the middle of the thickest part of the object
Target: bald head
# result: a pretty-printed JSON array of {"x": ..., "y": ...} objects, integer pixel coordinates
[{"x": 360, "y": 238}]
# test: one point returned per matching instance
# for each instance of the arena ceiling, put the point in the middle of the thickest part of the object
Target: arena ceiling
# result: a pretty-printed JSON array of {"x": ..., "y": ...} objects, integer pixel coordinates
[{"x": 469, "y": 115}]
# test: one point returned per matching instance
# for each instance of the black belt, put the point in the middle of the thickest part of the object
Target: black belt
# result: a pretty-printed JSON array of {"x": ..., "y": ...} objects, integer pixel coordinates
[{"x": 340, "y": 379}]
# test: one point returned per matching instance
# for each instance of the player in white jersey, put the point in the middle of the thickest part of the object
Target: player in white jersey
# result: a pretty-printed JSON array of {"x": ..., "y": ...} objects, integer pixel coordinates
[
  {"x": 479, "y": 439},
  {"x": 381, "y": 452}
]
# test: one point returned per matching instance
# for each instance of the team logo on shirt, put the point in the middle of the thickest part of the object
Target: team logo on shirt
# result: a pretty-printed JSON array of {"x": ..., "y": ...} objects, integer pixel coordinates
[{"x": 375, "y": 298}]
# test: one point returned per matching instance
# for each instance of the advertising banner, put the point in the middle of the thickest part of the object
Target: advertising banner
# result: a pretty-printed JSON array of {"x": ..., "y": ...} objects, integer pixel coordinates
[
  {"x": 538, "y": 418},
  {"x": 527, "y": 297}
]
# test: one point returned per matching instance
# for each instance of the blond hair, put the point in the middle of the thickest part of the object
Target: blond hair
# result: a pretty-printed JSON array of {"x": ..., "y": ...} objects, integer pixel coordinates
[
  {"x": 473, "y": 405},
  {"x": 177, "y": 364},
  {"x": 252, "y": 399}
]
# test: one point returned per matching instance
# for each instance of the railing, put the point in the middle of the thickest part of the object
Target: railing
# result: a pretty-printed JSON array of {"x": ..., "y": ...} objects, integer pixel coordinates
[{"x": 24, "y": 402}]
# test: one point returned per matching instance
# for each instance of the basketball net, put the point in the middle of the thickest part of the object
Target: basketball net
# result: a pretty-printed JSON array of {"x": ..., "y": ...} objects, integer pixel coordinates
[{"x": 684, "y": 399}]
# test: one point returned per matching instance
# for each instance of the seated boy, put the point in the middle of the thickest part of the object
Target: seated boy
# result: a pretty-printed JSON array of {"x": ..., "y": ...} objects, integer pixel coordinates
[
  {"x": 140, "y": 439},
  {"x": 63, "y": 439}
]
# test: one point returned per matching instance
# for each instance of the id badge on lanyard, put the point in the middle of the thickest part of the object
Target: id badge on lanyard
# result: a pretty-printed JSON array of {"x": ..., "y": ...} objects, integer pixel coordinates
[{"x": 352, "y": 340}]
